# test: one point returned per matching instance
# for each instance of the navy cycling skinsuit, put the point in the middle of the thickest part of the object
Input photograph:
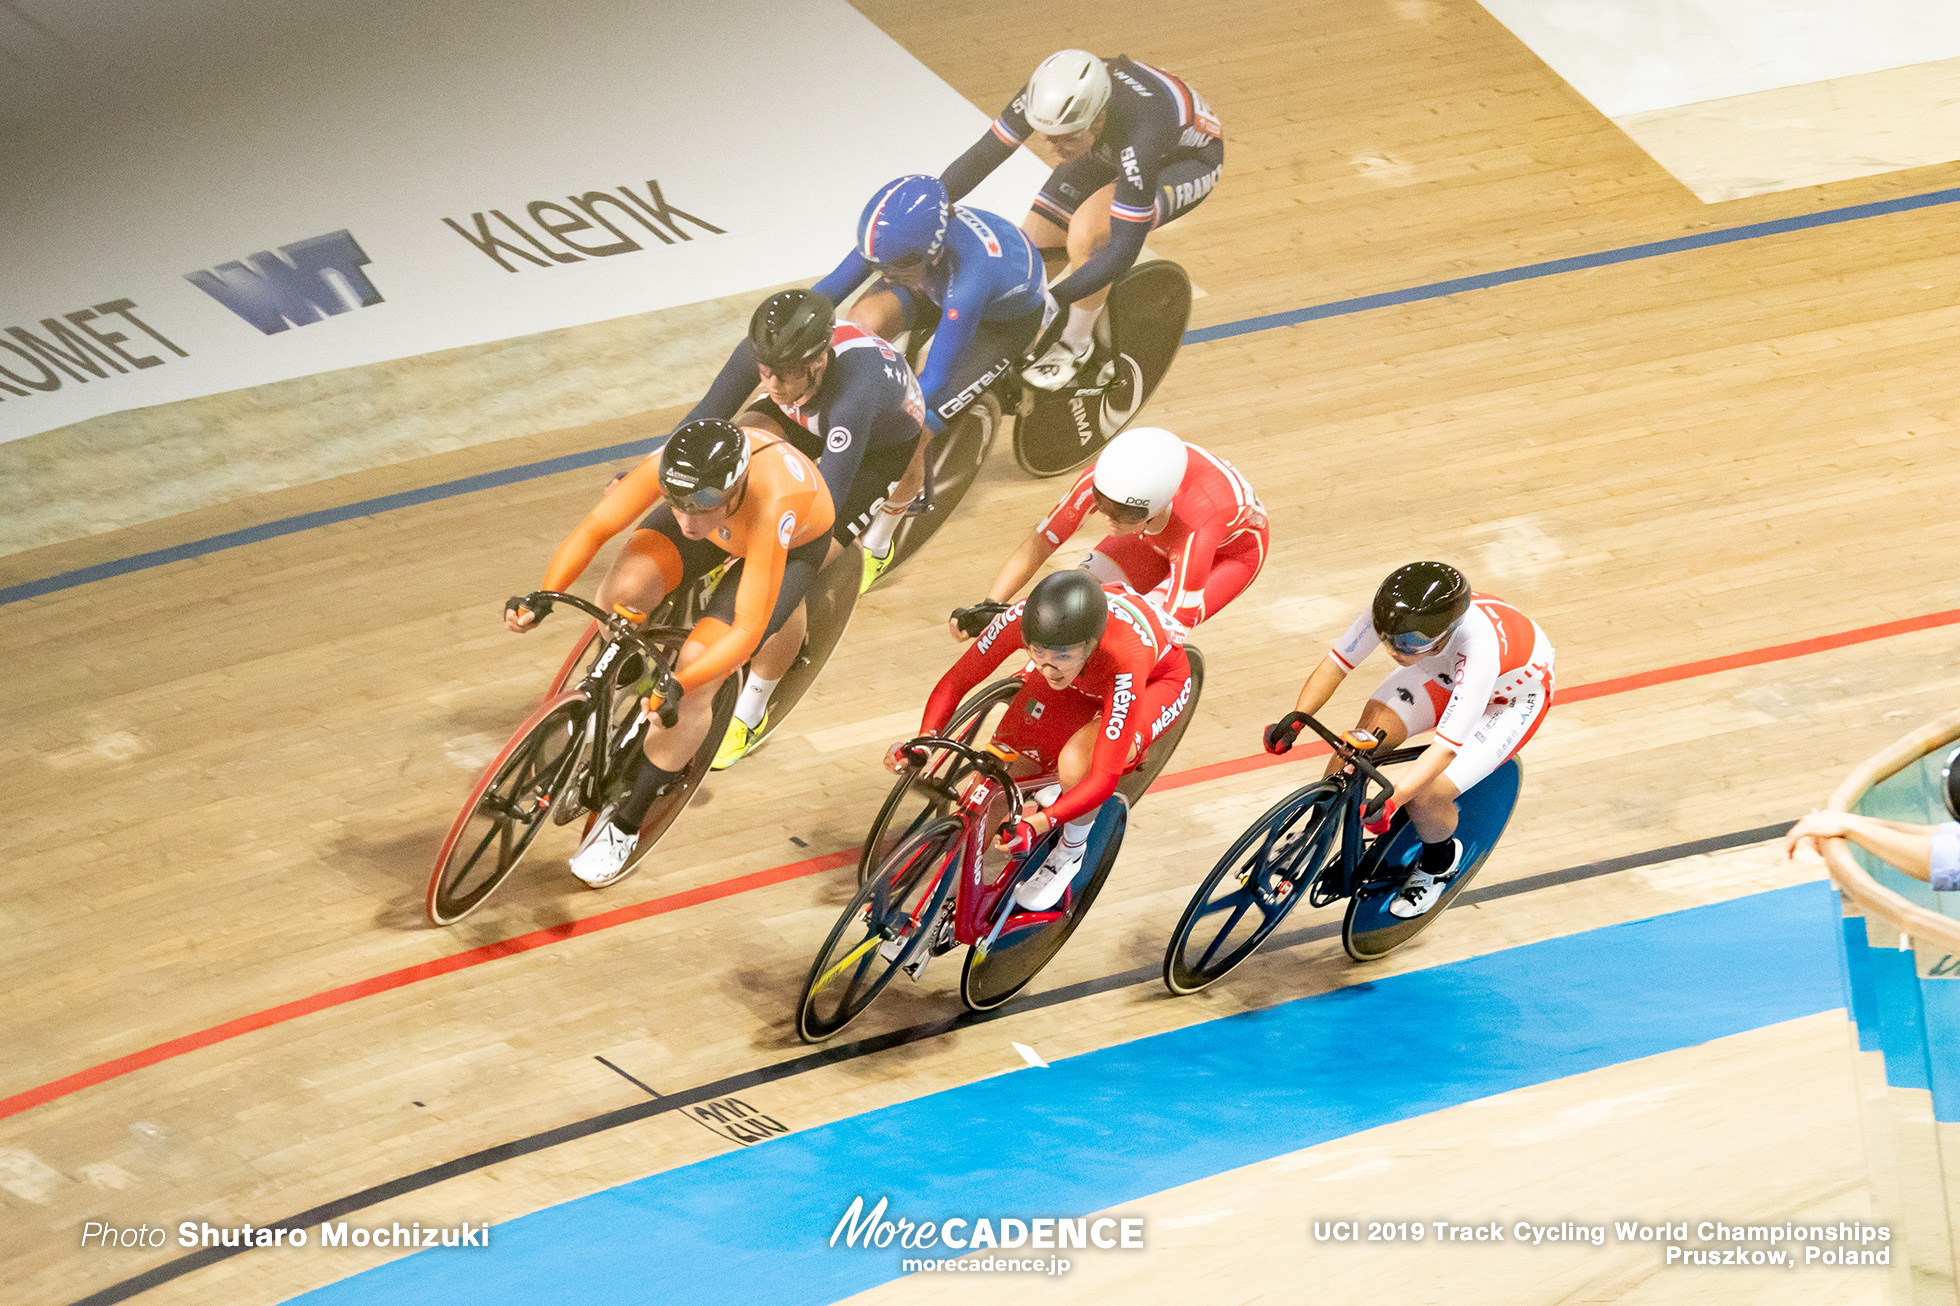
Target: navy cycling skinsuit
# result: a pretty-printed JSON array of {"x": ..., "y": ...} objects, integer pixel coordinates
[
  {"x": 987, "y": 291},
  {"x": 860, "y": 427},
  {"x": 1161, "y": 144}
]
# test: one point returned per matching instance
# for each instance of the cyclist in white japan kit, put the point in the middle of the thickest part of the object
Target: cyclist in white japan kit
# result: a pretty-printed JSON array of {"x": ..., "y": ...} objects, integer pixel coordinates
[{"x": 1470, "y": 667}]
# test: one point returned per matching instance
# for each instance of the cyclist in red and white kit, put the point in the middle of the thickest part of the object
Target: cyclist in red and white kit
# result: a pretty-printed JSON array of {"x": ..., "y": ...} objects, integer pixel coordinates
[
  {"x": 1470, "y": 667},
  {"x": 1186, "y": 530},
  {"x": 1106, "y": 681}
]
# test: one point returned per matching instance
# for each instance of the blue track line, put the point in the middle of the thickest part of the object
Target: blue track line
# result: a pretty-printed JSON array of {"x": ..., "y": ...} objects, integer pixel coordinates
[
  {"x": 1105, "y": 1129},
  {"x": 1224, "y": 331}
]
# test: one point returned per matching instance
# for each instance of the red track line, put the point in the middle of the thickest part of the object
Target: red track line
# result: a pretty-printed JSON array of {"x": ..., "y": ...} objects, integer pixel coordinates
[{"x": 396, "y": 979}]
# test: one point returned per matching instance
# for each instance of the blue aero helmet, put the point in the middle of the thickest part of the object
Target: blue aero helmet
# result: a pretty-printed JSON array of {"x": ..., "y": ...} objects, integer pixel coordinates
[{"x": 904, "y": 225}]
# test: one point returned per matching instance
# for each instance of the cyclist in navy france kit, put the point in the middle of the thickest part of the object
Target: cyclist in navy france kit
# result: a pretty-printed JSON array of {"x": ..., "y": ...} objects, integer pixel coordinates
[
  {"x": 846, "y": 399},
  {"x": 1140, "y": 148},
  {"x": 967, "y": 276}
]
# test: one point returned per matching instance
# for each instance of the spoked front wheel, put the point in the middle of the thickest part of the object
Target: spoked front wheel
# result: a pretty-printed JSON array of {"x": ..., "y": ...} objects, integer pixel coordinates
[
  {"x": 508, "y": 807},
  {"x": 1273, "y": 865},
  {"x": 896, "y": 905}
]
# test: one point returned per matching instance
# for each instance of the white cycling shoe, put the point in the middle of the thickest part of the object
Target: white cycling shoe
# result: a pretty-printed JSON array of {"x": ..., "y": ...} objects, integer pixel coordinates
[
  {"x": 1421, "y": 890},
  {"x": 1058, "y": 366},
  {"x": 1045, "y": 887},
  {"x": 605, "y": 852}
]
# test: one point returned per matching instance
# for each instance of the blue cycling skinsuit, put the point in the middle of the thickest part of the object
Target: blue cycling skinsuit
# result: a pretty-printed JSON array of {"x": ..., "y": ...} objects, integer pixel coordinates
[
  {"x": 1161, "y": 144},
  {"x": 987, "y": 291}
]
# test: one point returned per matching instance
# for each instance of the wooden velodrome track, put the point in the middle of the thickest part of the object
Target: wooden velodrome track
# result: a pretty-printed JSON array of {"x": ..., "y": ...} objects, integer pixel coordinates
[{"x": 226, "y": 777}]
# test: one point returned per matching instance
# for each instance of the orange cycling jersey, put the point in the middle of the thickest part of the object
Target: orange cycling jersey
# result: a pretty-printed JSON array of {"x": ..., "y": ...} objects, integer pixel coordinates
[{"x": 784, "y": 505}]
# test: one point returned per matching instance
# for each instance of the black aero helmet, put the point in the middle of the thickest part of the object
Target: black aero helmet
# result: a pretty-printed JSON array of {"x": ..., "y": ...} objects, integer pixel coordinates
[
  {"x": 1419, "y": 604},
  {"x": 1066, "y": 609},
  {"x": 703, "y": 464},
  {"x": 790, "y": 328}
]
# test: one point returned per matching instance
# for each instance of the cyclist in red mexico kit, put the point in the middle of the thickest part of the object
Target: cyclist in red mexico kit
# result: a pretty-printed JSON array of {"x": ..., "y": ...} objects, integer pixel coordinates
[
  {"x": 1106, "y": 681},
  {"x": 1470, "y": 667},
  {"x": 1186, "y": 530}
]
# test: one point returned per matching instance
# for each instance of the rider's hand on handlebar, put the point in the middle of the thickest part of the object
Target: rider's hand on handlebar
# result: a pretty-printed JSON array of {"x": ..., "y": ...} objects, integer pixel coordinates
[
  {"x": 520, "y": 617},
  {"x": 969, "y": 623},
  {"x": 902, "y": 757},
  {"x": 1019, "y": 836},
  {"x": 1281, "y": 733},
  {"x": 1378, "y": 825}
]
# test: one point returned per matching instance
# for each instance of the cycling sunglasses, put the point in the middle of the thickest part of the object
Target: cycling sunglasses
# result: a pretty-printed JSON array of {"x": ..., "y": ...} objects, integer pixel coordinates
[
  {"x": 1414, "y": 641},
  {"x": 1124, "y": 514},
  {"x": 706, "y": 498}
]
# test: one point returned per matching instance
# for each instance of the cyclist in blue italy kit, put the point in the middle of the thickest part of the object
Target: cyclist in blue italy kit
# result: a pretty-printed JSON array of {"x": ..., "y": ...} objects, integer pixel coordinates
[
  {"x": 1139, "y": 149},
  {"x": 967, "y": 276},
  {"x": 846, "y": 399}
]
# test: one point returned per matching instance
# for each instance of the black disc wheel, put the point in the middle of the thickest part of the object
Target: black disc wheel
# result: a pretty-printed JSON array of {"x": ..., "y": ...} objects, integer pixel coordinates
[
  {"x": 507, "y": 808},
  {"x": 1273, "y": 865},
  {"x": 1029, "y": 940},
  {"x": 923, "y": 796},
  {"x": 1134, "y": 785},
  {"x": 887, "y": 921}
]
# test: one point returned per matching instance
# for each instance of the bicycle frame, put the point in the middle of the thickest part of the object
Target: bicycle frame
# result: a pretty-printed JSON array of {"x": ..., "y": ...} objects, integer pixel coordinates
[
  {"x": 602, "y": 685},
  {"x": 1357, "y": 856},
  {"x": 981, "y": 910}
]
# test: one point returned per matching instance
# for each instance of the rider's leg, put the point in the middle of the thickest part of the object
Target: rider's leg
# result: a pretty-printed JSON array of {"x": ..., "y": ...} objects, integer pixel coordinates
[
  {"x": 643, "y": 574},
  {"x": 1127, "y": 560},
  {"x": 782, "y": 639},
  {"x": 883, "y": 310},
  {"x": 1088, "y": 231}
]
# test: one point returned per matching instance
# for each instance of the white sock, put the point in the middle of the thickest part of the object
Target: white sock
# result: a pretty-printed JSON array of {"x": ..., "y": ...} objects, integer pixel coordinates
[
  {"x": 877, "y": 537},
  {"x": 1046, "y": 795},
  {"x": 755, "y": 700},
  {"x": 1081, "y": 327},
  {"x": 1075, "y": 834}
]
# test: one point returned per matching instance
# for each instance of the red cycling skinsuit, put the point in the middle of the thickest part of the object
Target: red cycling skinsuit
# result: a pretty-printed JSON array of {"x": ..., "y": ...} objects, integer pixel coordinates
[
  {"x": 1204, "y": 558},
  {"x": 1138, "y": 679}
]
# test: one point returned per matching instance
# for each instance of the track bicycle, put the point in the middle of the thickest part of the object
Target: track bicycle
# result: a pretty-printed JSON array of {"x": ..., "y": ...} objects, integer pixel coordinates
[
  {"x": 932, "y": 880},
  {"x": 576, "y": 752},
  {"x": 1311, "y": 845}
]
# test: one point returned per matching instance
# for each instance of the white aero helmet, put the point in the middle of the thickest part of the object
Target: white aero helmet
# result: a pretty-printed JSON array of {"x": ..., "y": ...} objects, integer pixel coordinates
[
  {"x": 1142, "y": 467},
  {"x": 1066, "y": 92}
]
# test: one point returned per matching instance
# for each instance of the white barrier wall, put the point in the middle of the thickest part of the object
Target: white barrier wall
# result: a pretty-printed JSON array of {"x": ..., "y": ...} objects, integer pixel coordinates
[{"x": 206, "y": 195}]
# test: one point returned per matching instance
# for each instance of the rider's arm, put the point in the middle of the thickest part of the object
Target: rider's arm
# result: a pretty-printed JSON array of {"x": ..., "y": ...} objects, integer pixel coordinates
[
  {"x": 1111, "y": 756},
  {"x": 844, "y": 278},
  {"x": 1022, "y": 564},
  {"x": 863, "y": 398},
  {"x": 627, "y": 500},
  {"x": 1320, "y": 685},
  {"x": 957, "y": 326},
  {"x": 737, "y": 380},
  {"x": 1190, "y": 569},
  {"x": 1001, "y": 637},
  {"x": 1132, "y": 212},
  {"x": 1062, "y": 521},
  {"x": 1126, "y": 235},
  {"x": 989, "y": 152}
]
